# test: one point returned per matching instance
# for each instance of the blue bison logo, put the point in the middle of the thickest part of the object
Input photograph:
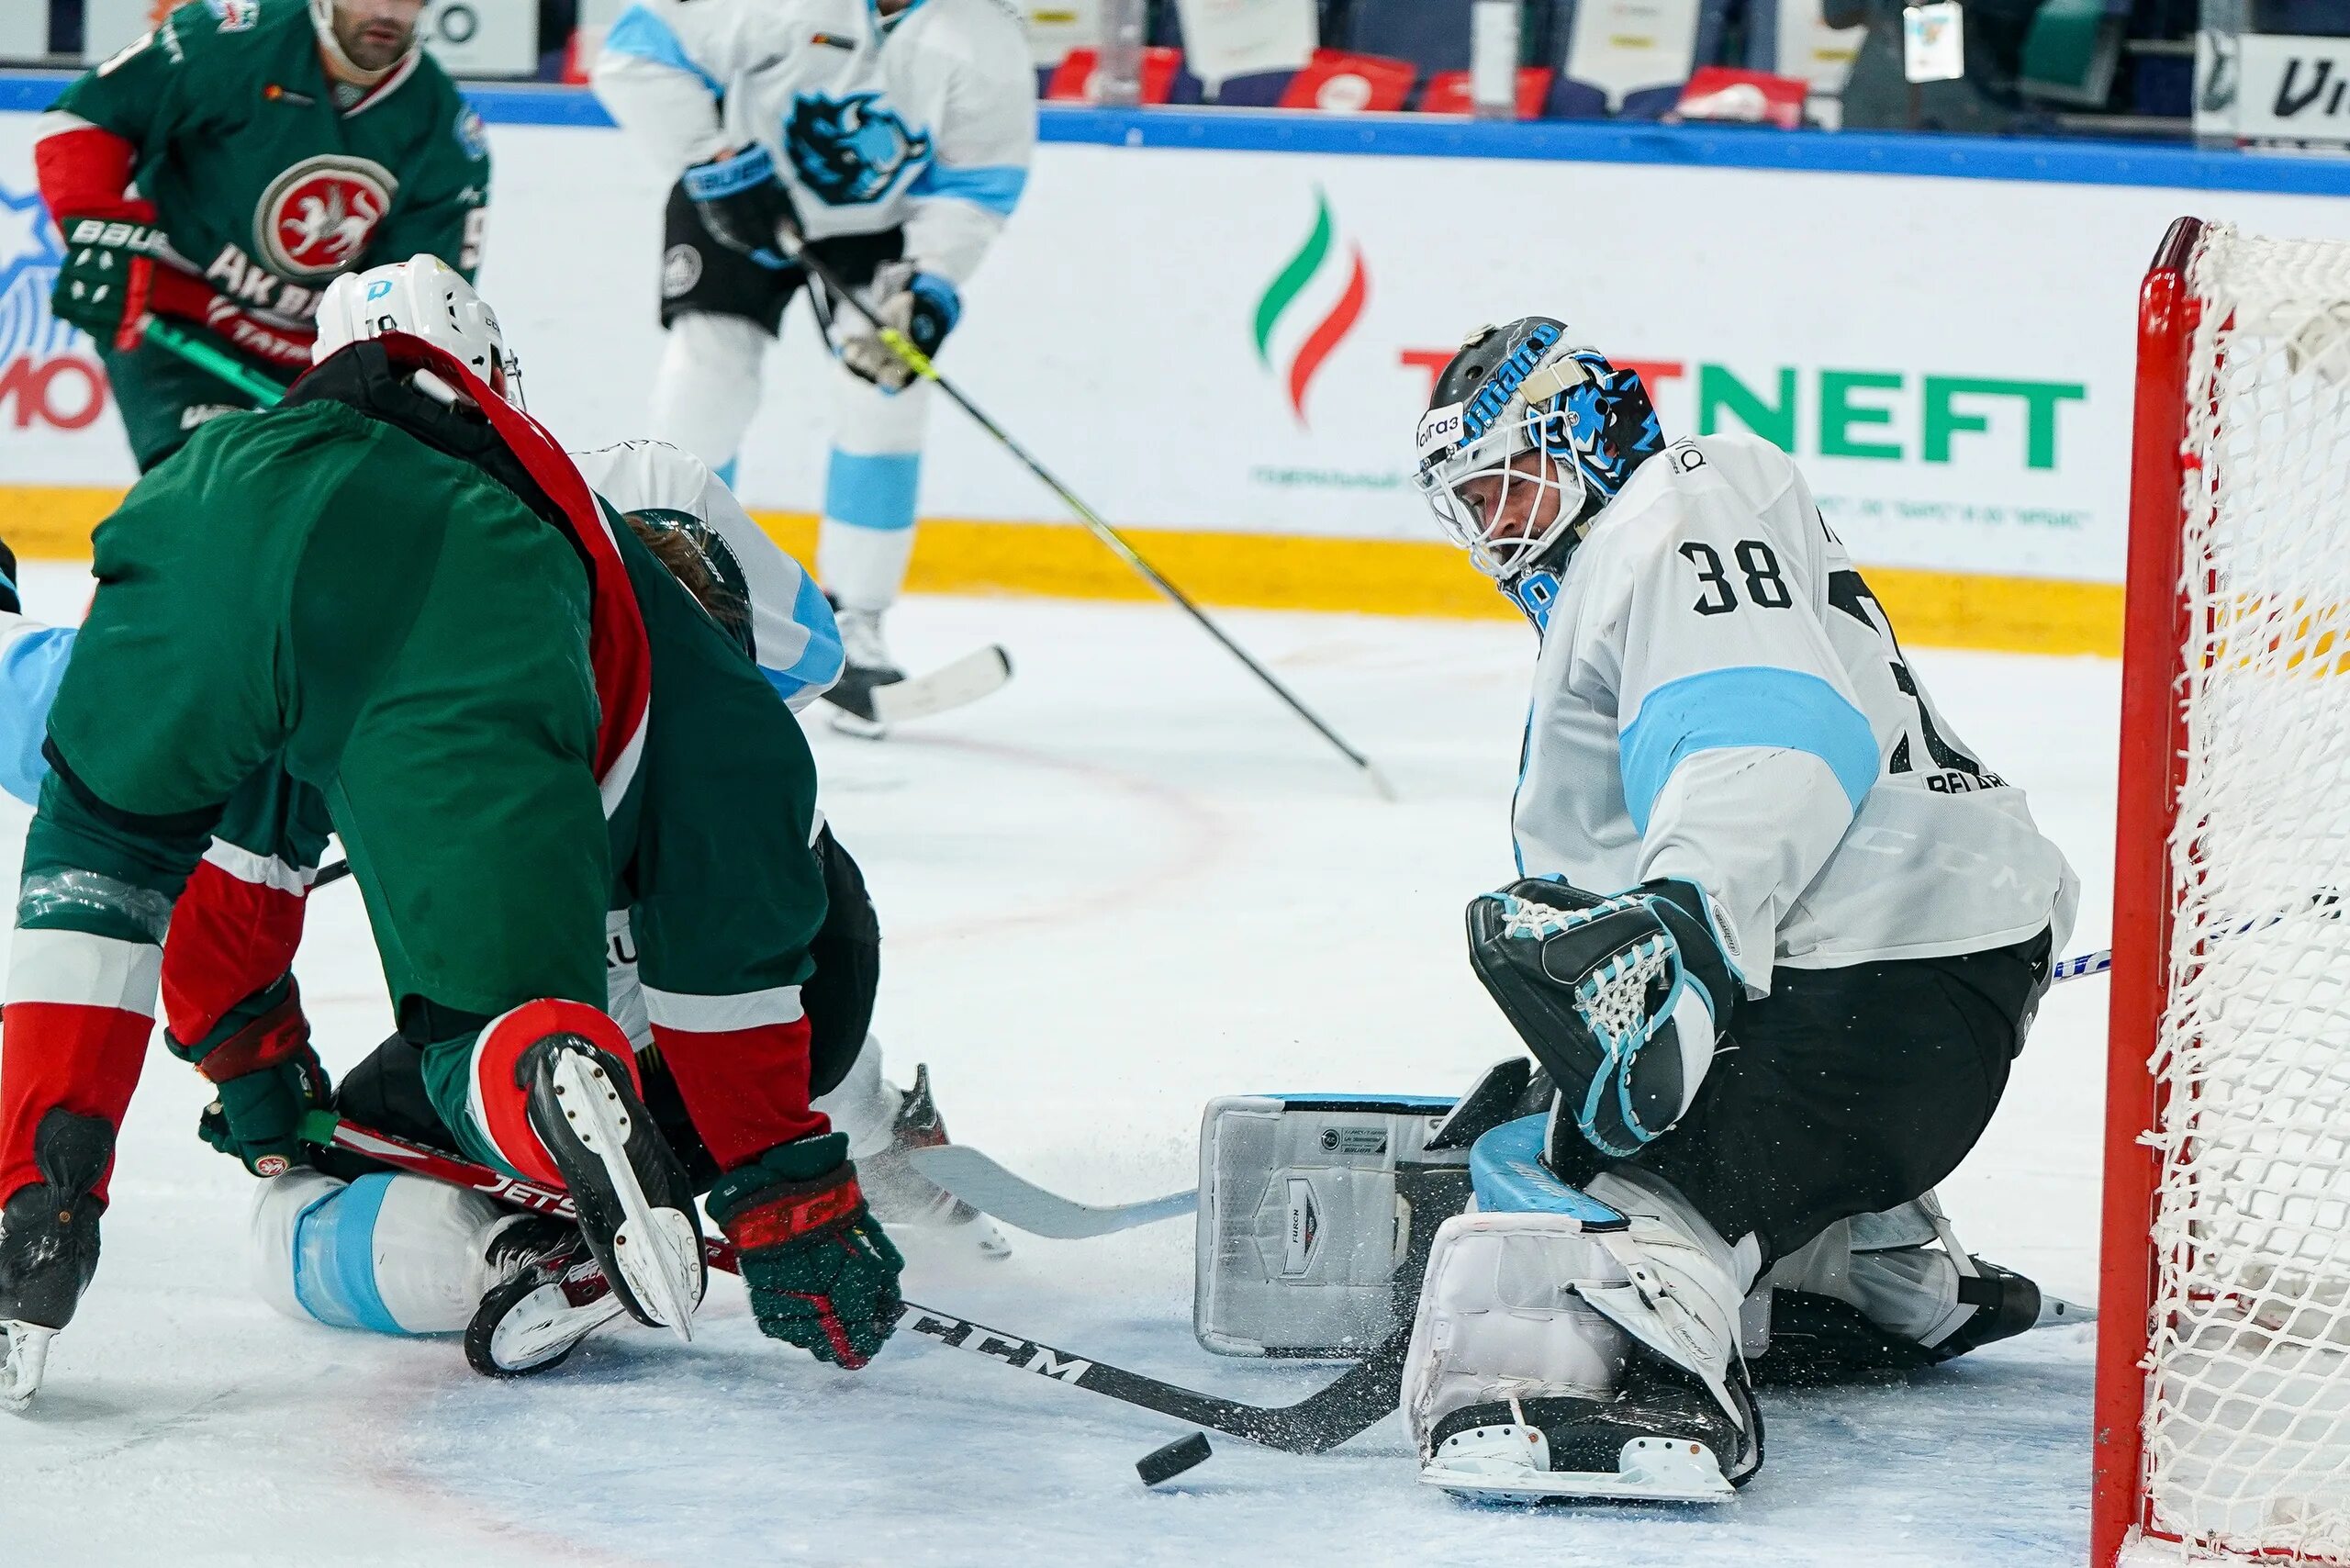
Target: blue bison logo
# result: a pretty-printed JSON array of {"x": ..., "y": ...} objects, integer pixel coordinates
[{"x": 852, "y": 149}]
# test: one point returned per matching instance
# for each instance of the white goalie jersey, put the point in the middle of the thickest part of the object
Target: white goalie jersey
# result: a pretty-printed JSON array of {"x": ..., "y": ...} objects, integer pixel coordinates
[
  {"x": 926, "y": 118},
  {"x": 1719, "y": 698}
]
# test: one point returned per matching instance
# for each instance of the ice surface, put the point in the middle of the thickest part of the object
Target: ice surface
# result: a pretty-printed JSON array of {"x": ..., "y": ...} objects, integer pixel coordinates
[{"x": 1127, "y": 883}]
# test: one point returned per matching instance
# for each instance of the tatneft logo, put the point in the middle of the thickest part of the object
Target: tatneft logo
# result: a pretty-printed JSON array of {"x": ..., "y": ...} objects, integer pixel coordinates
[
  {"x": 47, "y": 372},
  {"x": 1880, "y": 416},
  {"x": 1315, "y": 268}
]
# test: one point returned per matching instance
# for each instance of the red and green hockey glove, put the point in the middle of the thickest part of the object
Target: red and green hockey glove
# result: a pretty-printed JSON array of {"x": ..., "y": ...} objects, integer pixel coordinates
[
  {"x": 258, "y": 1058},
  {"x": 821, "y": 1275}
]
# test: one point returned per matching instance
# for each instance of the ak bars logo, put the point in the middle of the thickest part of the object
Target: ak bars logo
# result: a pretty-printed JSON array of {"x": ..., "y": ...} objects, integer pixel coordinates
[{"x": 1313, "y": 274}]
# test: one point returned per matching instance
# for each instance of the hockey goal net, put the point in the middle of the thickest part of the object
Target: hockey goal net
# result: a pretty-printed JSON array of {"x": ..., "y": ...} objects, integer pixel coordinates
[{"x": 2222, "y": 1425}]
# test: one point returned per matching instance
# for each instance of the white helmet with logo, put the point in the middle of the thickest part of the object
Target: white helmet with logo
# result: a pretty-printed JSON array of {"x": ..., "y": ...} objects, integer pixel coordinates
[{"x": 426, "y": 298}]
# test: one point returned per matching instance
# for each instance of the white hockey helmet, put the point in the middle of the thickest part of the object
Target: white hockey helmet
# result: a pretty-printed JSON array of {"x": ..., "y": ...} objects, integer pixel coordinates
[{"x": 426, "y": 298}]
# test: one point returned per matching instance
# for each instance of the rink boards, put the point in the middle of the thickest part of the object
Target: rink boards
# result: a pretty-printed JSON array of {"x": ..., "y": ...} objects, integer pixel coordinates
[{"x": 1219, "y": 328}]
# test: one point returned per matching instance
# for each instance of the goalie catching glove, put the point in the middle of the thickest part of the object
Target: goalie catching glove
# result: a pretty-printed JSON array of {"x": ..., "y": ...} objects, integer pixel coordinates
[
  {"x": 821, "y": 1273},
  {"x": 1620, "y": 998},
  {"x": 921, "y": 308}
]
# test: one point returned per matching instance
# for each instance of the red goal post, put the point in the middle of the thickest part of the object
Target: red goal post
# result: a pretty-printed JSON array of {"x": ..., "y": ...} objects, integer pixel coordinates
[{"x": 2221, "y": 1426}]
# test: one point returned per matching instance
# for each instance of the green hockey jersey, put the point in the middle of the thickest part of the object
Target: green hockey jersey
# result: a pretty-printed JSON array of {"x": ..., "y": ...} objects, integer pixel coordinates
[{"x": 270, "y": 177}]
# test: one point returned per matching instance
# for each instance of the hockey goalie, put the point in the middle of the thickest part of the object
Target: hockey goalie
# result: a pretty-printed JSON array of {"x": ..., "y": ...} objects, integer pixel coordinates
[{"x": 1777, "y": 935}]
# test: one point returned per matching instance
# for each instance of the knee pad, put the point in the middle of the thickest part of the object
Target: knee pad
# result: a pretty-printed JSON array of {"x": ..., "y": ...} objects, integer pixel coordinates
[
  {"x": 393, "y": 1254},
  {"x": 1316, "y": 1214},
  {"x": 863, "y": 1105}
]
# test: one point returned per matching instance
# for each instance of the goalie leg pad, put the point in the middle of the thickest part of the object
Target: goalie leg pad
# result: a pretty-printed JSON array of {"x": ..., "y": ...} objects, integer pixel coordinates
[
  {"x": 392, "y": 1254},
  {"x": 1517, "y": 1387},
  {"x": 1314, "y": 1214}
]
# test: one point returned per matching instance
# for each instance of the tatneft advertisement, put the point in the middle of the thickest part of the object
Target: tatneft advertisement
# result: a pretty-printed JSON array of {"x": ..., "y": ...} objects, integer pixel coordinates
[{"x": 1242, "y": 341}]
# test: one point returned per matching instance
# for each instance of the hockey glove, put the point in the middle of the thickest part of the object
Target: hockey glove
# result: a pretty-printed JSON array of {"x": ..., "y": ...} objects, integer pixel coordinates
[
  {"x": 259, "y": 1057},
  {"x": 821, "y": 1275},
  {"x": 743, "y": 204},
  {"x": 921, "y": 308},
  {"x": 109, "y": 267},
  {"x": 1620, "y": 998}
]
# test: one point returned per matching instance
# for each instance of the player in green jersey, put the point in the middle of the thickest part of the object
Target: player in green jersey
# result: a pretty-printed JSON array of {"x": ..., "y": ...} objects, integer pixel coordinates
[
  {"x": 275, "y": 145},
  {"x": 394, "y": 592}
]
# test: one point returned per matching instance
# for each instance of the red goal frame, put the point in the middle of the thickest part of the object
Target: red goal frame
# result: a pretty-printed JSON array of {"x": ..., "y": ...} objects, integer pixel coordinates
[{"x": 2153, "y": 769}]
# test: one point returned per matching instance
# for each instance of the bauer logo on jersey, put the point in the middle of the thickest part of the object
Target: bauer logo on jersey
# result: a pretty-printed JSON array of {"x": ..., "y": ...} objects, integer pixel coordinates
[
  {"x": 316, "y": 218},
  {"x": 851, "y": 150}
]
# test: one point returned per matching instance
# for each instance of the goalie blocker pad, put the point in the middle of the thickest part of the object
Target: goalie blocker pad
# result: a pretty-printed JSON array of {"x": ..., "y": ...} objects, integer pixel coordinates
[{"x": 1315, "y": 1215}]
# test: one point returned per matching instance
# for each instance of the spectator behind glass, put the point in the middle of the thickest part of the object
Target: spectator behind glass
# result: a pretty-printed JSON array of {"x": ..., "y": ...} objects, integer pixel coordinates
[{"x": 1879, "y": 95}]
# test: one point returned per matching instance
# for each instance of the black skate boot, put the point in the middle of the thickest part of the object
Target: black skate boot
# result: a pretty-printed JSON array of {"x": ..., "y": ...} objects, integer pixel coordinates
[
  {"x": 636, "y": 1207},
  {"x": 48, "y": 1246},
  {"x": 1662, "y": 1438},
  {"x": 546, "y": 1293},
  {"x": 866, "y": 664},
  {"x": 899, "y": 1195}
]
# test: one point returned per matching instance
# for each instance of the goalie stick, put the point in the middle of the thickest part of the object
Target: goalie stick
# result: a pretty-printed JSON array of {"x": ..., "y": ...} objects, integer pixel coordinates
[{"x": 1356, "y": 1401}]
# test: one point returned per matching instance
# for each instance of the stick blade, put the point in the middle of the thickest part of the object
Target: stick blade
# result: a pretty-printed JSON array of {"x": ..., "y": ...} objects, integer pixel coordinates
[
  {"x": 1021, "y": 1203},
  {"x": 951, "y": 686}
]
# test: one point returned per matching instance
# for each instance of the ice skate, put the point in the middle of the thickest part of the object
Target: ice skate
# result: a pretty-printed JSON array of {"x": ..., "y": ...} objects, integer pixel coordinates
[
  {"x": 547, "y": 1295},
  {"x": 48, "y": 1246},
  {"x": 636, "y": 1207},
  {"x": 901, "y": 1196},
  {"x": 865, "y": 667}
]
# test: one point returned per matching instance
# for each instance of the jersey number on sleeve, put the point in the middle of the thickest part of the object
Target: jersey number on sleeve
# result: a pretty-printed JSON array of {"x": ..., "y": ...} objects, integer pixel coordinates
[{"x": 1765, "y": 588}]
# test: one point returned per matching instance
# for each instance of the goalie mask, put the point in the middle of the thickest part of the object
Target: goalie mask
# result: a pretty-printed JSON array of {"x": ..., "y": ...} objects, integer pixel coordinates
[
  {"x": 1526, "y": 438},
  {"x": 426, "y": 298}
]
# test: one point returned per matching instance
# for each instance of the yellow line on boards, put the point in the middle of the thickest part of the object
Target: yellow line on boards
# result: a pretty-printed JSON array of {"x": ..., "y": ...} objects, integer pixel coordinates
[{"x": 1258, "y": 571}]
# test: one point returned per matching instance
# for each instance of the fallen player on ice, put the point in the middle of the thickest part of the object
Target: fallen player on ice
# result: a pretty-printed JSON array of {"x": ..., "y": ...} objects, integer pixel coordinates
[{"x": 475, "y": 761}]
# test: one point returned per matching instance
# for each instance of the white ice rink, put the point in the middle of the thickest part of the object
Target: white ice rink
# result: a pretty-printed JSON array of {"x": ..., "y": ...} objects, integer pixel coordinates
[{"x": 1128, "y": 882}]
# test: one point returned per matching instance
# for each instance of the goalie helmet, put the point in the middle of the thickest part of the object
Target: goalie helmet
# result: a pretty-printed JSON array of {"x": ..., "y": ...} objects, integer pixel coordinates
[
  {"x": 1528, "y": 436},
  {"x": 426, "y": 298}
]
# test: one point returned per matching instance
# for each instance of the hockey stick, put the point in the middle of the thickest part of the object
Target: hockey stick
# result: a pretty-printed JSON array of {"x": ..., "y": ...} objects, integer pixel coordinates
[
  {"x": 920, "y": 363},
  {"x": 263, "y": 390},
  {"x": 1020, "y": 1203},
  {"x": 1354, "y": 1403}
]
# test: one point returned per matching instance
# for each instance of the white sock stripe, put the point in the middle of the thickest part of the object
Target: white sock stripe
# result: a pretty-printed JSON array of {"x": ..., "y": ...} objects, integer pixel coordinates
[
  {"x": 77, "y": 969},
  {"x": 261, "y": 871},
  {"x": 702, "y": 1014}
]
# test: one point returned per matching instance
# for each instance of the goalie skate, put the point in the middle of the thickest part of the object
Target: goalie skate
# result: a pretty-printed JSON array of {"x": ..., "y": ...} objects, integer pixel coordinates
[
  {"x": 636, "y": 1207},
  {"x": 1660, "y": 1438}
]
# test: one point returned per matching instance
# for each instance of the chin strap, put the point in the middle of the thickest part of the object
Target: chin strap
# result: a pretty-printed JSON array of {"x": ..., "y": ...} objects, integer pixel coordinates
[{"x": 340, "y": 65}]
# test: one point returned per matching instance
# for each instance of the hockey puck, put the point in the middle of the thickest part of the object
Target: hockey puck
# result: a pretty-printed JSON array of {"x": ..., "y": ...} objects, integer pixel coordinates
[{"x": 1167, "y": 1464}]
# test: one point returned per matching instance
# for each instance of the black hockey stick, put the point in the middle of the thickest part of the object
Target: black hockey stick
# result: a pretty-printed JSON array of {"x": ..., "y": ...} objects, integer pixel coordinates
[
  {"x": 1316, "y": 1424},
  {"x": 920, "y": 363}
]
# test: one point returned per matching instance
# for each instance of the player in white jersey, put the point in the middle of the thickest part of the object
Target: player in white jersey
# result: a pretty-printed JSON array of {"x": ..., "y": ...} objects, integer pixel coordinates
[
  {"x": 1777, "y": 936},
  {"x": 894, "y": 136}
]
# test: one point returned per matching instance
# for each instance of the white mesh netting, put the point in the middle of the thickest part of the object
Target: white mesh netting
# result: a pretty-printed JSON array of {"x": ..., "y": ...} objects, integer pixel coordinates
[{"x": 2248, "y": 1409}]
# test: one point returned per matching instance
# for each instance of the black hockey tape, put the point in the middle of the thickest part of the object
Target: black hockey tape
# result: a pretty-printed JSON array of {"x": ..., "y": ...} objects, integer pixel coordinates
[{"x": 1167, "y": 1464}]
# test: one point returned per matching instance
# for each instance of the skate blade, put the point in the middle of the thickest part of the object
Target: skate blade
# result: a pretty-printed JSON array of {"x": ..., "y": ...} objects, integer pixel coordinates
[
  {"x": 545, "y": 1326},
  {"x": 25, "y": 1365},
  {"x": 658, "y": 1256},
  {"x": 1509, "y": 1463}
]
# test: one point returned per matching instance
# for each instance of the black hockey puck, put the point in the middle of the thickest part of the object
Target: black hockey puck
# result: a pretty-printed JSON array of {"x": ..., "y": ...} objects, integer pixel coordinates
[{"x": 1167, "y": 1464}]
